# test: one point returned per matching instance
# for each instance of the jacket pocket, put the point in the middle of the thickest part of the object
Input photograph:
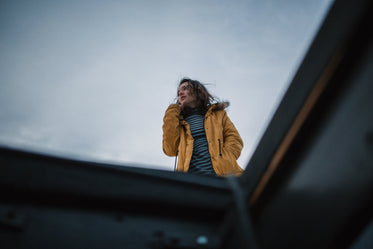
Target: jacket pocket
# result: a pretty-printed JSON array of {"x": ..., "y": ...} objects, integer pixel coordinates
[{"x": 220, "y": 154}]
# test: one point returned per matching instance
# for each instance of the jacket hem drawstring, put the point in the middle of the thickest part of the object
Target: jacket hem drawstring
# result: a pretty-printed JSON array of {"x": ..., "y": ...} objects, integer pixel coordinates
[{"x": 177, "y": 152}]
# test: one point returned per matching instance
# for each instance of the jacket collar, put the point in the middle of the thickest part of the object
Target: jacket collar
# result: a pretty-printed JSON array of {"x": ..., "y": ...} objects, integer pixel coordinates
[{"x": 210, "y": 110}]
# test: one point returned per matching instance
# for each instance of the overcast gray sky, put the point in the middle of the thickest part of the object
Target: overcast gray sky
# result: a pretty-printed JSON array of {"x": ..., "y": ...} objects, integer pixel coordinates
[{"x": 92, "y": 79}]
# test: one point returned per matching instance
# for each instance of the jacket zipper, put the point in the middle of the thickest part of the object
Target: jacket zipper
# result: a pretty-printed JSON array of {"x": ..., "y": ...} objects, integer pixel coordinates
[{"x": 219, "y": 147}]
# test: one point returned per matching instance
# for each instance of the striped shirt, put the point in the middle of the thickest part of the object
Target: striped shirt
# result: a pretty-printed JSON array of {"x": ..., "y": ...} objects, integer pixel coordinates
[{"x": 200, "y": 162}]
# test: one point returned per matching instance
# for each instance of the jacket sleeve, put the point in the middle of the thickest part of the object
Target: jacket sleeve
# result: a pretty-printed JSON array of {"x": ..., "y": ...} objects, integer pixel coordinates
[
  {"x": 232, "y": 139},
  {"x": 171, "y": 132}
]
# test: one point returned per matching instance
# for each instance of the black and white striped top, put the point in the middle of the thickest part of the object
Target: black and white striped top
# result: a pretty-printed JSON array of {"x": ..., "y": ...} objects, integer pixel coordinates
[{"x": 201, "y": 159}]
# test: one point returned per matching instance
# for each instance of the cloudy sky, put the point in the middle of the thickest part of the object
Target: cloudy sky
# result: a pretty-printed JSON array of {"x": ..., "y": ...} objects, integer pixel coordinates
[{"x": 92, "y": 79}]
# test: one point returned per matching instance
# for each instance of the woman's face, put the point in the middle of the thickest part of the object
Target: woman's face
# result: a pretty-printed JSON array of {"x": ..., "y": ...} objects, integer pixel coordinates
[{"x": 185, "y": 96}]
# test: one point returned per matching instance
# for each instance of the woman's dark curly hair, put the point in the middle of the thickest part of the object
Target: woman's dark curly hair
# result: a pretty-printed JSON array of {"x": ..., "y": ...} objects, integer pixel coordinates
[{"x": 204, "y": 99}]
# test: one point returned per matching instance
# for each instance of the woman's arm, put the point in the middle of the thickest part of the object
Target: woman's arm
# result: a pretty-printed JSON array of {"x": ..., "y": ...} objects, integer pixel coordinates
[
  {"x": 232, "y": 139},
  {"x": 171, "y": 133}
]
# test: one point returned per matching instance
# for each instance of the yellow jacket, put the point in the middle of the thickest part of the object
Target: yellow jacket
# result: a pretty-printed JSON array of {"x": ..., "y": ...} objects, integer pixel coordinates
[{"x": 224, "y": 141}]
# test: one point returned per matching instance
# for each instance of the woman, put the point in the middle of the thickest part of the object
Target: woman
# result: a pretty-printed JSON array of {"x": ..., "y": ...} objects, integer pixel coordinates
[{"x": 198, "y": 131}]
